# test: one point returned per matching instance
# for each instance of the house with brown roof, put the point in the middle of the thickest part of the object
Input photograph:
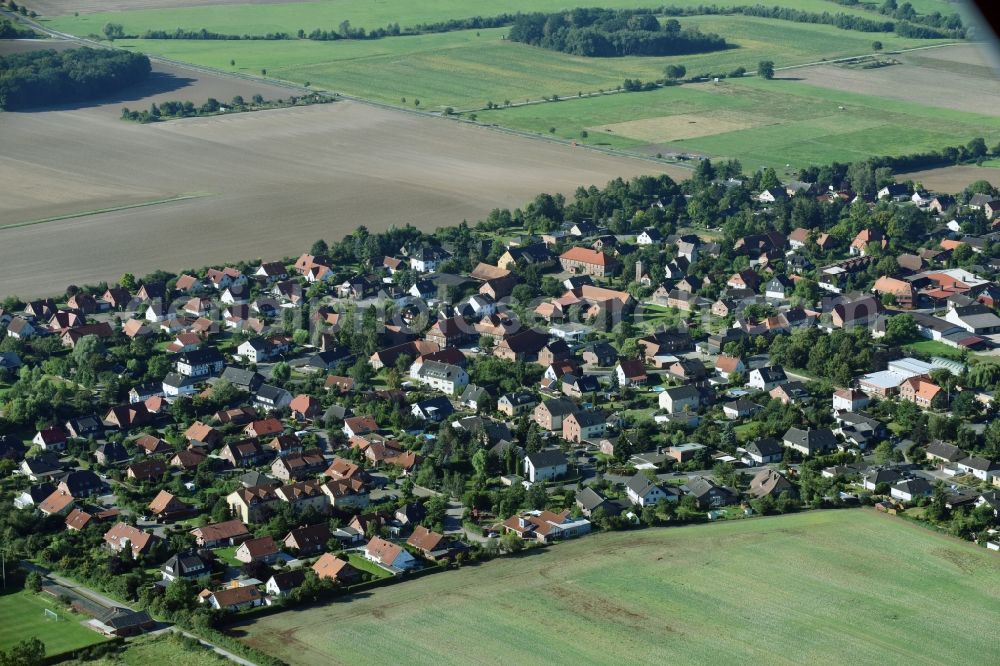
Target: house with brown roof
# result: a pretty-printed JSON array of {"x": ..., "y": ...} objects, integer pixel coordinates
[
  {"x": 304, "y": 407},
  {"x": 245, "y": 453},
  {"x": 631, "y": 372},
  {"x": 78, "y": 520},
  {"x": 389, "y": 555},
  {"x": 233, "y": 598},
  {"x": 202, "y": 433},
  {"x": 341, "y": 468},
  {"x": 123, "y": 535},
  {"x": 217, "y": 535},
  {"x": 147, "y": 470},
  {"x": 307, "y": 540},
  {"x": 546, "y": 526},
  {"x": 859, "y": 246},
  {"x": 356, "y": 426},
  {"x": 330, "y": 567},
  {"x": 450, "y": 332},
  {"x": 150, "y": 444},
  {"x": 433, "y": 545},
  {"x": 264, "y": 428},
  {"x": 521, "y": 346},
  {"x": 126, "y": 417},
  {"x": 188, "y": 459},
  {"x": 770, "y": 482},
  {"x": 59, "y": 503},
  {"x": 727, "y": 366},
  {"x": 252, "y": 504},
  {"x": 901, "y": 291},
  {"x": 920, "y": 390},
  {"x": 297, "y": 466},
  {"x": 262, "y": 549},
  {"x": 588, "y": 262},
  {"x": 304, "y": 494},
  {"x": 167, "y": 508}
]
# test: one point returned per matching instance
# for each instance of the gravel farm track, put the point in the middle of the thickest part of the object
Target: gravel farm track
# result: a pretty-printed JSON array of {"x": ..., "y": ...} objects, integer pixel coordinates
[{"x": 266, "y": 184}]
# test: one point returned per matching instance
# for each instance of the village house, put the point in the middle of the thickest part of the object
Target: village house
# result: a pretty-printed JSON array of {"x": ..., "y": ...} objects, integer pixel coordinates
[
  {"x": 588, "y": 262},
  {"x": 227, "y": 533},
  {"x": 252, "y": 504},
  {"x": 517, "y": 403},
  {"x": 329, "y": 567},
  {"x": 263, "y": 549},
  {"x": 643, "y": 492},
  {"x": 123, "y": 535},
  {"x": 546, "y": 526},
  {"x": 810, "y": 442},
  {"x": 545, "y": 465},
  {"x": 583, "y": 426},
  {"x": 549, "y": 414},
  {"x": 389, "y": 555},
  {"x": 233, "y": 598},
  {"x": 678, "y": 399}
]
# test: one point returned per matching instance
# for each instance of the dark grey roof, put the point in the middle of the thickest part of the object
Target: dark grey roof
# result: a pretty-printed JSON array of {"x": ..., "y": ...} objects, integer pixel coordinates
[
  {"x": 639, "y": 484},
  {"x": 765, "y": 446},
  {"x": 589, "y": 499},
  {"x": 241, "y": 377},
  {"x": 560, "y": 406},
  {"x": 547, "y": 458}
]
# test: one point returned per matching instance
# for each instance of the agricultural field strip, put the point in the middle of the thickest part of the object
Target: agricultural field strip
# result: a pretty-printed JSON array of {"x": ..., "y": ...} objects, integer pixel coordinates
[
  {"x": 836, "y": 582},
  {"x": 261, "y": 18}
]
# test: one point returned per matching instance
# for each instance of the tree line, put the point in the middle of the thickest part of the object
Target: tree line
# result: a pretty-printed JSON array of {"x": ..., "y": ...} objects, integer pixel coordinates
[
  {"x": 607, "y": 33},
  {"x": 55, "y": 77},
  {"x": 187, "y": 109}
]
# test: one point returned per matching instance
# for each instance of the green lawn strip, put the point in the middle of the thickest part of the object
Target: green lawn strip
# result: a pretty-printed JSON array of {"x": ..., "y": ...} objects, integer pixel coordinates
[{"x": 359, "y": 562}]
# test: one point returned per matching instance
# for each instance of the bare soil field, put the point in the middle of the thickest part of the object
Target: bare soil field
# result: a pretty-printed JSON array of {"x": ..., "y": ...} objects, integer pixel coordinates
[
  {"x": 953, "y": 178},
  {"x": 265, "y": 184},
  {"x": 950, "y": 77},
  {"x": 684, "y": 125},
  {"x": 62, "y": 7}
]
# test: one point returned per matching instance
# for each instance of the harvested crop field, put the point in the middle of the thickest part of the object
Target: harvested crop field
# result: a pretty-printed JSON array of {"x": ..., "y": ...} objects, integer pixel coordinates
[
  {"x": 956, "y": 84},
  {"x": 264, "y": 184},
  {"x": 952, "y": 178},
  {"x": 828, "y": 587}
]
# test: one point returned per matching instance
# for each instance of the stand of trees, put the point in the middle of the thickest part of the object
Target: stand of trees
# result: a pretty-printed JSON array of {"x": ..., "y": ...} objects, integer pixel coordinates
[
  {"x": 9, "y": 30},
  {"x": 212, "y": 106},
  {"x": 611, "y": 33},
  {"x": 53, "y": 77}
]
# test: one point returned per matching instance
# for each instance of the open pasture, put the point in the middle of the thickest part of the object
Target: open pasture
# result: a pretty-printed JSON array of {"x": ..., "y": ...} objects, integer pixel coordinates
[{"x": 807, "y": 588}]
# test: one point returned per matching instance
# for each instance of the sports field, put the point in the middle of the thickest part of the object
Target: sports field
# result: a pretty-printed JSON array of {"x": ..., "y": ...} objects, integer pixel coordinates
[
  {"x": 830, "y": 587},
  {"x": 21, "y": 617}
]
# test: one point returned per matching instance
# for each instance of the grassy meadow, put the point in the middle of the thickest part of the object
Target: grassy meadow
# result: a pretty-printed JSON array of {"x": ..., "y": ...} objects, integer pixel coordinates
[
  {"x": 759, "y": 122},
  {"x": 21, "y": 617},
  {"x": 821, "y": 587}
]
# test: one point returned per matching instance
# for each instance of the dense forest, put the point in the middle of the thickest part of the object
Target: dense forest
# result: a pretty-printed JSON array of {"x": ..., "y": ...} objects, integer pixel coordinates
[
  {"x": 609, "y": 33},
  {"x": 54, "y": 77}
]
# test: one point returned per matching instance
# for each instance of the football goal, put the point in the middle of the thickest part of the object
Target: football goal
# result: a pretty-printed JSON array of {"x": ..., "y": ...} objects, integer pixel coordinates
[{"x": 50, "y": 614}]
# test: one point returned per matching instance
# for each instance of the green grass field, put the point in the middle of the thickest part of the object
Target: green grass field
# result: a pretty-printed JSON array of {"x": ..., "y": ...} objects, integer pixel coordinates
[
  {"x": 361, "y": 564},
  {"x": 21, "y": 617},
  {"x": 825, "y": 587},
  {"x": 759, "y": 122},
  {"x": 466, "y": 69},
  {"x": 289, "y": 17}
]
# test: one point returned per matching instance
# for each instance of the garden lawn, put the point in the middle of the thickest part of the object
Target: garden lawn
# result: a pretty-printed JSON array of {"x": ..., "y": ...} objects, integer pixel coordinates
[
  {"x": 850, "y": 586},
  {"x": 21, "y": 617},
  {"x": 359, "y": 562}
]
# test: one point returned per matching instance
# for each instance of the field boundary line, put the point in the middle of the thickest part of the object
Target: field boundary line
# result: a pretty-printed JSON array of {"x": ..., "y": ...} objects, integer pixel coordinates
[{"x": 88, "y": 213}]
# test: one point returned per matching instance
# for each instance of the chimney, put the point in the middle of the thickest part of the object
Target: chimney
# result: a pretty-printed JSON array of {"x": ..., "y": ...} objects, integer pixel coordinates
[{"x": 638, "y": 270}]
